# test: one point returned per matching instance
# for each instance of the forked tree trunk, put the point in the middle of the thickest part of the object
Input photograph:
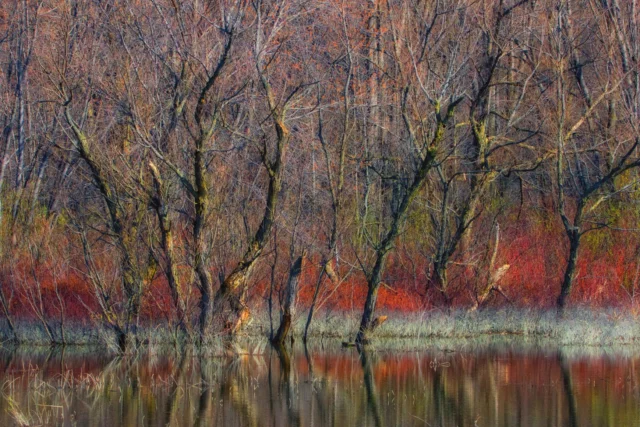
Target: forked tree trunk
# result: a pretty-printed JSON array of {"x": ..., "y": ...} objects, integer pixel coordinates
[
  {"x": 229, "y": 303},
  {"x": 327, "y": 270},
  {"x": 288, "y": 309},
  {"x": 167, "y": 244}
]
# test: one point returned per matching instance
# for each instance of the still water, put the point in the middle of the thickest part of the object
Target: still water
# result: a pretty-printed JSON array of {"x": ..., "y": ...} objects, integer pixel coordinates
[{"x": 491, "y": 385}]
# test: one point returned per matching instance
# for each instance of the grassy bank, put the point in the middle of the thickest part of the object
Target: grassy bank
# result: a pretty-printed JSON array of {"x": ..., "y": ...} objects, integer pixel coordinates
[{"x": 577, "y": 327}]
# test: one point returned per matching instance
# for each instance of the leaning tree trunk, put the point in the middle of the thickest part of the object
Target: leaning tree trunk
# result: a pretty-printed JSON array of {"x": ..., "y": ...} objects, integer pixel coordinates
[
  {"x": 327, "y": 270},
  {"x": 124, "y": 241},
  {"x": 573, "y": 230},
  {"x": 495, "y": 275},
  {"x": 567, "y": 282},
  {"x": 373, "y": 286},
  {"x": 367, "y": 323},
  {"x": 289, "y": 302},
  {"x": 229, "y": 302}
]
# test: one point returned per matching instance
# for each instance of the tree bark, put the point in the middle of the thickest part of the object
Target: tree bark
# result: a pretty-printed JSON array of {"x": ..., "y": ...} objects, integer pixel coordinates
[
  {"x": 567, "y": 281},
  {"x": 574, "y": 233},
  {"x": 166, "y": 241},
  {"x": 385, "y": 246},
  {"x": 131, "y": 278},
  {"x": 289, "y": 303},
  {"x": 204, "y": 277},
  {"x": 229, "y": 303}
]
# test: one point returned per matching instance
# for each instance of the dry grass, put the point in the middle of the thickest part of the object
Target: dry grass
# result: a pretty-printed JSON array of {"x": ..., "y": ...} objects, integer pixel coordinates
[{"x": 579, "y": 326}]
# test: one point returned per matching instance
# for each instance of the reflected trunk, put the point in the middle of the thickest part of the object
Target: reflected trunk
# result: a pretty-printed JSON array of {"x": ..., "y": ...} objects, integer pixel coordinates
[
  {"x": 287, "y": 386},
  {"x": 204, "y": 398},
  {"x": 567, "y": 384},
  {"x": 176, "y": 379},
  {"x": 370, "y": 386}
]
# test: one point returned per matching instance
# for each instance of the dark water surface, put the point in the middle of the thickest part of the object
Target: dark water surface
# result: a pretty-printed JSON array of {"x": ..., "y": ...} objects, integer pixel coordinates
[{"x": 505, "y": 385}]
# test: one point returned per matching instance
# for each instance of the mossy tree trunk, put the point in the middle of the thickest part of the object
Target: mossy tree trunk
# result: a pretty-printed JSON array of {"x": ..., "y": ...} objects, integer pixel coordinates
[
  {"x": 124, "y": 237},
  {"x": 384, "y": 247},
  {"x": 166, "y": 241}
]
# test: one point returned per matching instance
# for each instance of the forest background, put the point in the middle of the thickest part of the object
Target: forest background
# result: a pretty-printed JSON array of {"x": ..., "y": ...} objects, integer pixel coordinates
[{"x": 194, "y": 163}]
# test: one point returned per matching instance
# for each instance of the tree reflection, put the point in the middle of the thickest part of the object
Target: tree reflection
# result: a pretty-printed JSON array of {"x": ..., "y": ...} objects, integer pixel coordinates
[
  {"x": 204, "y": 397},
  {"x": 341, "y": 388},
  {"x": 287, "y": 386},
  {"x": 235, "y": 388},
  {"x": 568, "y": 390},
  {"x": 176, "y": 380},
  {"x": 370, "y": 386}
]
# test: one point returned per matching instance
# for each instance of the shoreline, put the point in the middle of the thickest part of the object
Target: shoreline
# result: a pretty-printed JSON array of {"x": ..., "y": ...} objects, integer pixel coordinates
[{"x": 579, "y": 326}]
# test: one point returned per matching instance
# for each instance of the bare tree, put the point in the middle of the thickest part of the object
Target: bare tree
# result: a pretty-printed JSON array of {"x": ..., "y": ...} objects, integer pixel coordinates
[
  {"x": 230, "y": 300},
  {"x": 593, "y": 147}
]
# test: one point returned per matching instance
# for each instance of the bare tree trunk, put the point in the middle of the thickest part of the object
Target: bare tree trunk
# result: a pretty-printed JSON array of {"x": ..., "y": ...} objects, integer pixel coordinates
[
  {"x": 289, "y": 302},
  {"x": 131, "y": 277},
  {"x": 201, "y": 204},
  {"x": 439, "y": 281},
  {"x": 385, "y": 246},
  {"x": 327, "y": 270},
  {"x": 41, "y": 173},
  {"x": 336, "y": 190},
  {"x": 229, "y": 301},
  {"x": 272, "y": 283},
  {"x": 61, "y": 303},
  {"x": 373, "y": 285},
  {"x": 3, "y": 167},
  {"x": 166, "y": 237},
  {"x": 230, "y": 295},
  {"x": 21, "y": 125},
  {"x": 569, "y": 272}
]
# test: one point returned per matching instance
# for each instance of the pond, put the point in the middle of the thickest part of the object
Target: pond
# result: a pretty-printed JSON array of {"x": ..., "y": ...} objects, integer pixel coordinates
[{"x": 325, "y": 385}]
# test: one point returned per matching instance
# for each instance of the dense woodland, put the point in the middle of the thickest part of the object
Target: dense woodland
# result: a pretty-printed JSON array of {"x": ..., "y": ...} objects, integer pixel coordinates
[{"x": 195, "y": 162}]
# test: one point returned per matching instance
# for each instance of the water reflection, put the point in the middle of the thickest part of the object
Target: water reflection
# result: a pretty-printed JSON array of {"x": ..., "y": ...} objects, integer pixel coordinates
[{"x": 506, "y": 386}]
